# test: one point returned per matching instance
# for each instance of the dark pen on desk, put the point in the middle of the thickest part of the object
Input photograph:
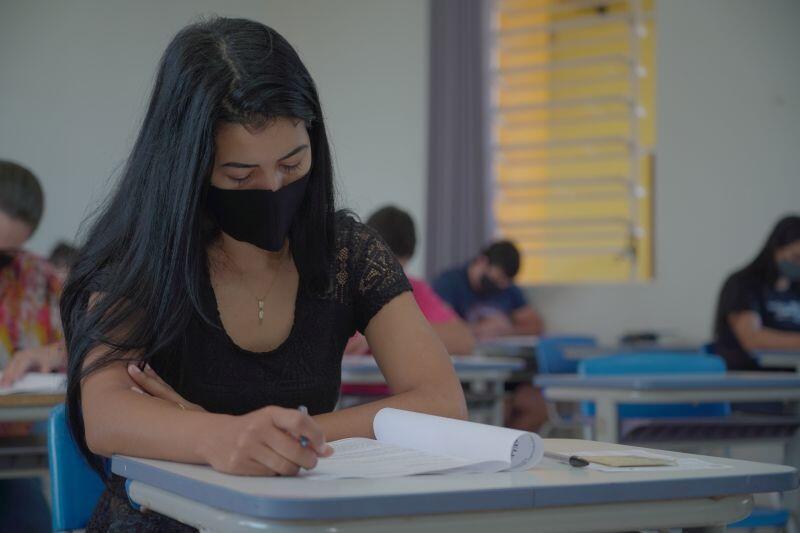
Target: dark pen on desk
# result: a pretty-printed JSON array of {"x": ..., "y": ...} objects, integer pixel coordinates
[
  {"x": 572, "y": 460},
  {"x": 303, "y": 440}
]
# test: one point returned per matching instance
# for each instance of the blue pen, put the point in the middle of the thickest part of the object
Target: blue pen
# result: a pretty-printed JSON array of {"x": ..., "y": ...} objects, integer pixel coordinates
[{"x": 303, "y": 440}]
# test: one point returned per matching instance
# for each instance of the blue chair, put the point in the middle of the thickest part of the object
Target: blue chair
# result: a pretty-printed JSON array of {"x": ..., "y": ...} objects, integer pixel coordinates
[
  {"x": 74, "y": 486},
  {"x": 550, "y": 353}
]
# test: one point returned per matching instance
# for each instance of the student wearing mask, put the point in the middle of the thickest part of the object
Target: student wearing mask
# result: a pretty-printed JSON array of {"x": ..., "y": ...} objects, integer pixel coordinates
[
  {"x": 30, "y": 327},
  {"x": 396, "y": 227},
  {"x": 216, "y": 290},
  {"x": 759, "y": 305},
  {"x": 484, "y": 294}
]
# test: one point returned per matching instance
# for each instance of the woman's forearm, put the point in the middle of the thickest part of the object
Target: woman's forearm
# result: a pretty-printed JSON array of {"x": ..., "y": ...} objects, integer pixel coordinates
[
  {"x": 456, "y": 336},
  {"x": 119, "y": 420},
  {"x": 771, "y": 339}
]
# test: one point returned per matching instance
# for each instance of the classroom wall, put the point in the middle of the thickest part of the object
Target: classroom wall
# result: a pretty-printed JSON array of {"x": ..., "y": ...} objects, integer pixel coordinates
[
  {"x": 75, "y": 76},
  {"x": 728, "y": 164}
]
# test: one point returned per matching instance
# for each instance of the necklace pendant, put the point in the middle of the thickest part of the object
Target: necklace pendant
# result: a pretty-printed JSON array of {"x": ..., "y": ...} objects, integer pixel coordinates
[{"x": 260, "y": 311}]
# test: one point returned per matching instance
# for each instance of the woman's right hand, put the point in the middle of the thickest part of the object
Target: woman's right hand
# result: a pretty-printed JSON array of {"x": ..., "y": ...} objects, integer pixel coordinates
[{"x": 265, "y": 442}]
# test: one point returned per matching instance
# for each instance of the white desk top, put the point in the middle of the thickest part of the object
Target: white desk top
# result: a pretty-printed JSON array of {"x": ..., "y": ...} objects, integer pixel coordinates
[{"x": 550, "y": 484}]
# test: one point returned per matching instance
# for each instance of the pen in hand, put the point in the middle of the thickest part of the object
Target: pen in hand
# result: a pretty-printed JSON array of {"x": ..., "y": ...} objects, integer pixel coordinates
[{"x": 303, "y": 440}]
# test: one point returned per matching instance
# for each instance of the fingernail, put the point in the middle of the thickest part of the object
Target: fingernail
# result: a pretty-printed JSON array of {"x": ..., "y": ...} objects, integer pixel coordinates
[
  {"x": 137, "y": 389},
  {"x": 133, "y": 368},
  {"x": 327, "y": 448}
]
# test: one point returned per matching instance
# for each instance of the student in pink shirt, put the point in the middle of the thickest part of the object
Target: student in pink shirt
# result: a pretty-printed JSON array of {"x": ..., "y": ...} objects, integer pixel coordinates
[{"x": 397, "y": 229}]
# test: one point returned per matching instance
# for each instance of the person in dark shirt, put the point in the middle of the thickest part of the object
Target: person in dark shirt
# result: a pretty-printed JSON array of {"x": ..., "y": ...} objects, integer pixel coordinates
[
  {"x": 484, "y": 294},
  {"x": 759, "y": 305},
  {"x": 217, "y": 287}
]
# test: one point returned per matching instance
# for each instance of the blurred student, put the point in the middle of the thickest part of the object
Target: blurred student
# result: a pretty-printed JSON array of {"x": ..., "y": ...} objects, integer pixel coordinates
[
  {"x": 30, "y": 328},
  {"x": 759, "y": 305},
  {"x": 484, "y": 294},
  {"x": 30, "y": 325},
  {"x": 396, "y": 227}
]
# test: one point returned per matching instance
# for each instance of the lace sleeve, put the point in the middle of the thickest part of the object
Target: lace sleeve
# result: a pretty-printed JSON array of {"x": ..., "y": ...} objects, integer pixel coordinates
[{"x": 375, "y": 274}]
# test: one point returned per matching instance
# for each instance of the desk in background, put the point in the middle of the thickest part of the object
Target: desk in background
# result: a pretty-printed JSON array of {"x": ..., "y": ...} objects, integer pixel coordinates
[
  {"x": 28, "y": 407},
  {"x": 779, "y": 359},
  {"x": 26, "y": 456},
  {"x": 511, "y": 346},
  {"x": 609, "y": 392},
  {"x": 485, "y": 377},
  {"x": 552, "y": 497},
  {"x": 588, "y": 352}
]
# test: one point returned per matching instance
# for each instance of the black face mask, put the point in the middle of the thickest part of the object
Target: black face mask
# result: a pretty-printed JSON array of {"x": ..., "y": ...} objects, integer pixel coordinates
[
  {"x": 488, "y": 286},
  {"x": 262, "y": 218},
  {"x": 6, "y": 258}
]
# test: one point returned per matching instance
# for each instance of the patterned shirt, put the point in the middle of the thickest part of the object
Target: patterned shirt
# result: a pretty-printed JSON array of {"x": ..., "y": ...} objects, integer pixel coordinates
[{"x": 30, "y": 289}]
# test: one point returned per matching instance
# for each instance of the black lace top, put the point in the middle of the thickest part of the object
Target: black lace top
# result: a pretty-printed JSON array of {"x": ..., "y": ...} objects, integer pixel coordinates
[{"x": 211, "y": 370}]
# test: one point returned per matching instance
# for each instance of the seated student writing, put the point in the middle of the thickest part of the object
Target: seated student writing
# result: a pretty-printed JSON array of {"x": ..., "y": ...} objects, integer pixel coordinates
[
  {"x": 219, "y": 278},
  {"x": 30, "y": 327},
  {"x": 759, "y": 305},
  {"x": 483, "y": 293},
  {"x": 396, "y": 227}
]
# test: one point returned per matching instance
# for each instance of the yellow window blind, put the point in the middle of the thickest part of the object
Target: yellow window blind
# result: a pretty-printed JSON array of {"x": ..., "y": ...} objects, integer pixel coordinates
[{"x": 573, "y": 135}]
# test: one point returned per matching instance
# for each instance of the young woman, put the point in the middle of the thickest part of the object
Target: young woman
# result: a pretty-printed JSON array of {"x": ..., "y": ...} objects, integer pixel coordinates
[
  {"x": 219, "y": 277},
  {"x": 759, "y": 305}
]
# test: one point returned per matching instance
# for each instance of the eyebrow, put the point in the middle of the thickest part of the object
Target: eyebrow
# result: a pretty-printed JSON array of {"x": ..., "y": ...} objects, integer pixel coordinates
[
  {"x": 293, "y": 152},
  {"x": 236, "y": 164}
]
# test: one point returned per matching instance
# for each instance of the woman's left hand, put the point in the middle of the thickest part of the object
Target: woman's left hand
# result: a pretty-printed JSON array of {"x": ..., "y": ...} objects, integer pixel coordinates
[{"x": 150, "y": 383}]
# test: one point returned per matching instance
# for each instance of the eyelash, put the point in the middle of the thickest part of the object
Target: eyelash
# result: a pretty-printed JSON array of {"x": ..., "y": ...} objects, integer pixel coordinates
[
  {"x": 290, "y": 168},
  {"x": 286, "y": 168}
]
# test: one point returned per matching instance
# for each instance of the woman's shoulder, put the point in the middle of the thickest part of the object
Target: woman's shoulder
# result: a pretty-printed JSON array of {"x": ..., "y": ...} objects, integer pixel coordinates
[{"x": 353, "y": 235}]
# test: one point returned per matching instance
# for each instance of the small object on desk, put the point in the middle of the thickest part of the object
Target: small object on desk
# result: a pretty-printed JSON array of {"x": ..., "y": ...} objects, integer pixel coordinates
[
  {"x": 303, "y": 440},
  {"x": 628, "y": 461},
  {"x": 572, "y": 460}
]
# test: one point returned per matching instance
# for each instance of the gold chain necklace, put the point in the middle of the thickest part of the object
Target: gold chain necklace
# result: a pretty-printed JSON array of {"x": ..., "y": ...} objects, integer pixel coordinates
[{"x": 261, "y": 299}]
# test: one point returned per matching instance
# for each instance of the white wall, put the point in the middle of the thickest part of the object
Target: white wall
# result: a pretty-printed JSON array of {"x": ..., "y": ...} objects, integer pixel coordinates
[
  {"x": 728, "y": 164},
  {"x": 75, "y": 78}
]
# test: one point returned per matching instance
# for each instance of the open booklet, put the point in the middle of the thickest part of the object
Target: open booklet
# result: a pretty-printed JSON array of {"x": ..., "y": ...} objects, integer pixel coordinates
[{"x": 410, "y": 443}]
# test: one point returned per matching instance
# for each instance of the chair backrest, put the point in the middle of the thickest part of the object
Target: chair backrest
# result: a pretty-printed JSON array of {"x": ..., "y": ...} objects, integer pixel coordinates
[
  {"x": 659, "y": 363},
  {"x": 74, "y": 486},
  {"x": 550, "y": 353}
]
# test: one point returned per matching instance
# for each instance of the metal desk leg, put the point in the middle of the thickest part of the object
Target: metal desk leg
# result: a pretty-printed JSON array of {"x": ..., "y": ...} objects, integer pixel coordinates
[
  {"x": 498, "y": 407},
  {"x": 606, "y": 420}
]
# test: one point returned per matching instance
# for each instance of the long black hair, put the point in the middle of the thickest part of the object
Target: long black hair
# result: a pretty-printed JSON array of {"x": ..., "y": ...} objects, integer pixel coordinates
[
  {"x": 144, "y": 257},
  {"x": 763, "y": 266}
]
